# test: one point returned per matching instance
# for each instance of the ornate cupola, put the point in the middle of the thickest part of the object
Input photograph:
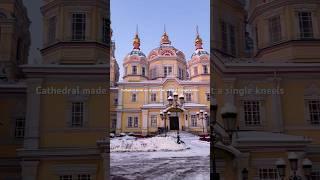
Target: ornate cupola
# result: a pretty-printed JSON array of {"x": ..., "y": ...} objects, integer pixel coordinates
[
  {"x": 135, "y": 63},
  {"x": 165, "y": 39},
  {"x": 167, "y": 61},
  {"x": 199, "y": 65}
]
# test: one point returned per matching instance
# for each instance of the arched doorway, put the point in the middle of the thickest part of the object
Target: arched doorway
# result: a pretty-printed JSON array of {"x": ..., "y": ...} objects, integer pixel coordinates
[
  {"x": 176, "y": 118},
  {"x": 174, "y": 121}
]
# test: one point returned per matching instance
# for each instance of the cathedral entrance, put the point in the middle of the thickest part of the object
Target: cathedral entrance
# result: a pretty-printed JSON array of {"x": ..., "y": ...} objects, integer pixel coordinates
[{"x": 174, "y": 123}]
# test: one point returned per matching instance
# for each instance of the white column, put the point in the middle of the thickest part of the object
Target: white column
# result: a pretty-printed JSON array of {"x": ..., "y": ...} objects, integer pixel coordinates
[
  {"x": 146, "y": 95},
  {"x": 29, "y": 170},
  {"x": 186, "y": 124},
  {"x": 119, "y": 111},
  {"x": 276, "y": 108},
  {"x": 31, "y": 140},
  {"x": 161, "y": 95},
  {"x": 144, "y": 122},
  {"x": 119, "y": 122},
  {"x": 120, "y": 94},
  {"x": 205, "y": 125},
  {"x": 196, "y": 93}
]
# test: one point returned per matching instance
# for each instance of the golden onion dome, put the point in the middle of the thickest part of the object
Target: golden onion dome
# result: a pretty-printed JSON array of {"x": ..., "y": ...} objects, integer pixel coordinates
[
  {"x": 165, "y": 39},
  {"x": 136, "y": 41},
  {"x": 198, "y": 40}
]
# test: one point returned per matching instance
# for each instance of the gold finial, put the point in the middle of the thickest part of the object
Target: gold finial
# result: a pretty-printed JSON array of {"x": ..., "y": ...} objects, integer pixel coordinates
[
  {"x": 165, "y": 37},
  {"x": 198, "y": 41},
  {"x": 136, "y": 40}
]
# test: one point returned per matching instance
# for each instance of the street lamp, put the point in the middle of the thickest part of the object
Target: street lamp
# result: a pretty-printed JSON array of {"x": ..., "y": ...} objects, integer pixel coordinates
[
  {"x": 245, "y": 174},
  {"x": 307, "y": 168},
  {"x": 163, "y": 115},
  {"x": 293, "y": 160},
  {"x": 175, "y": 102},
  {"x": 181, "y": 98},
  {"x": 202, "y": 115},
  {"x": 281, "y": 166},
  {"x": 229, "y": 116}
]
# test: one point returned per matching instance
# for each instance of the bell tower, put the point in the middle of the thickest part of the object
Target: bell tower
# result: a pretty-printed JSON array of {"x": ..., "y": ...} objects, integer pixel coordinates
[{"x": 75, "y": 32}]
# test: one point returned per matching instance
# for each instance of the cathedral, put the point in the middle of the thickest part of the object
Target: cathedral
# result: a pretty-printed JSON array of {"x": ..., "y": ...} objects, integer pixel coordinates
[
  {"x": 263, "y": 62},
  {"x": 151, "y": 81}
]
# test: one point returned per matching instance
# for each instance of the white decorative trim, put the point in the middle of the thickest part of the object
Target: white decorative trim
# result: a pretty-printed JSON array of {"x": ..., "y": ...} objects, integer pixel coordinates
[{"x": 77, "y": 98}]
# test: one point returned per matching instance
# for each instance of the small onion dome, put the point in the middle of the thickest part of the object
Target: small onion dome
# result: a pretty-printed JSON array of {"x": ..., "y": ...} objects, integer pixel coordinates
[
  {"x": 137, "y": 52},
  {"x": 165, "y": 39},
  {"x": 136, "y": 55},
  {"x": 198, "y": 40},
  {"x": 136, "y": 42},
  {"x": 199, "y": 52}
]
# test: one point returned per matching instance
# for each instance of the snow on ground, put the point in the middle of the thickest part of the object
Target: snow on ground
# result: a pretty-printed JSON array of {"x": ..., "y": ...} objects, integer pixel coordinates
[
  {"x": 127, "y": 144},
  {"x": 191, "y": 163}
]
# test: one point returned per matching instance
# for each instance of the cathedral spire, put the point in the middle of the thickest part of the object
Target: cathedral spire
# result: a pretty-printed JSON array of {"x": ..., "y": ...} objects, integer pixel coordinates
[
  {"x": 165, "y": 37},
  {"x": 136, "y": 40},
  {"x": 198, "y": 40}
]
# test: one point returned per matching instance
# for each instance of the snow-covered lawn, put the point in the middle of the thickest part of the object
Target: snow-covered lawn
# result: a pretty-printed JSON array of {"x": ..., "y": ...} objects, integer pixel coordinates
[
  {"x": 131, "y": 144},
  {"x": 163, "y": 162}
]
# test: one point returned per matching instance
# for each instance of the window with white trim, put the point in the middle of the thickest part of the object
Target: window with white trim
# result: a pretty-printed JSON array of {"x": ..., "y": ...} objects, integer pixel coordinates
[
  {"x": 153, "y": 119},
  {"x": 252, "y": 113},
  {"x": 136, "y": 122},
  {"x": 305, "y": 24},
  {"x": 275, "y": 29},
  {"x": 205, "y": 69},
  {"x": 20, "y": 128},
  {"x": 188, "y": 97},
  {"x": 130, "y": 122},
  {"x": 153, "y": 97},
  {"x": 167, "y": 71},
  {"x": 143, "y": 71},
  {"x": 194, "y": 120},
  {"x": 77, "y": 114},
  {"x": 314, "y": 112},
  {"x": 78, "y": 26},
  {"x": 134, "y": 70},
  {"x": 195, "y": 70},
  {"x": 169, "y": 93},
  {"x": 268, "y": 174},
  {"x": 133, "y": 97}
]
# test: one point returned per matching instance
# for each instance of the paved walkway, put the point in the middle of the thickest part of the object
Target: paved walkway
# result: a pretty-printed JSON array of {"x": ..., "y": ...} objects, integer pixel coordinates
[{"x": 190, "y": 164}]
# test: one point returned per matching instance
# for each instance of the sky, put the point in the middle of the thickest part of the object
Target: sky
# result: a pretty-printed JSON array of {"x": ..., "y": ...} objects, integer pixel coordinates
[
  {"x": 179, "y": 16},
  {"x": 35, "y": 16}
]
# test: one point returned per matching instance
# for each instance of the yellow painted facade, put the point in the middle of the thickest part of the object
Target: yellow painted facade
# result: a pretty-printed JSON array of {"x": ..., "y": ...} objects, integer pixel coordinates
[
  {"x": 54, "y": 117},
  {"x": 143, "y": 92},
  {"x": 273, "y": 84}
]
